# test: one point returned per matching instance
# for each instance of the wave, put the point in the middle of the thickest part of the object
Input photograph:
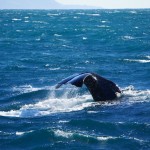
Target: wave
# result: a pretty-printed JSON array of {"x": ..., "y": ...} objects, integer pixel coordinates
[
  {"x": 70, "y": 100},
  {"x": 54, "y": 104},
  {"x": 49, "y": 14},
  {"x": 138, "y": 60},
  {"x": 76, "y": 136},
  {"x": 127, "y": 37},
  {"x": 16, "y": 19},
  {"x": 25, "y": 88},
  {"x": 57, "y": 35},
  {"x": 148, "y": 57},
  {"x": 93, "y": 14}
]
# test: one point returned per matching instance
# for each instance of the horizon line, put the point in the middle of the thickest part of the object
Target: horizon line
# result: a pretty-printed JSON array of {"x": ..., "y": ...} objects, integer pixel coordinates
[{"x": 69, "y": 8}]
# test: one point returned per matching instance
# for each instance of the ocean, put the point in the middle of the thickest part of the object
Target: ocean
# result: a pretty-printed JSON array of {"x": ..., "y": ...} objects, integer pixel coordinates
[{"x": 38, "y": 48}]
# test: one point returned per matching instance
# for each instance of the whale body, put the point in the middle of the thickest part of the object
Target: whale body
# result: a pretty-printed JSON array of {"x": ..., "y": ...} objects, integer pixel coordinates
[{"x": 100, "y": 88}]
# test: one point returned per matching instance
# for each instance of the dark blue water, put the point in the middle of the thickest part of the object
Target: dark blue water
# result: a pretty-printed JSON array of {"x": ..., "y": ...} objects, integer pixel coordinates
[{"x": 38, "y": 48}]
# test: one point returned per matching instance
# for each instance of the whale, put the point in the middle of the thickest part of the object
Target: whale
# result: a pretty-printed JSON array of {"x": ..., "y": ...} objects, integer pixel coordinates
[{"x": 100, "y": 88}]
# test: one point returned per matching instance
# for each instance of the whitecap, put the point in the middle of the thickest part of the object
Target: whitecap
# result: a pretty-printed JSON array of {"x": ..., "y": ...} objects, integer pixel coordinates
[
  {"x": 38, "y": 39},
  {"x": 136, "y": 27},
  {"x": 49, "y": 14},
  {"x": 93, "y": 14},
  {"x": 103, "y": 26},
  {"x": 71, "y": 101},
  {"x": 133, "y": 12},
  {"x": 19, "y": 133},
  {"x": 63, "y": 133},
  {"x": 84, "y": 38},
  {"x": 26, "y": 17},
  {"x": 80, "y": 13},
  {"x": 52, "y": 105},
  {"x": 63, "y": 121},
  {"x": 22, "y": 133},
  {"x": 92, "y": 112},
  {"x": 68, "y": 134},
  {"x": 57, "y": 35},
  {"x": 105, "y": 138},
  {"x": 103, "y": 21},
  {"x": 131, "y": 96},
  {"x": 41, "y": 22},
  {"x": 25, "y": 89},
  {"x": 148, "y": 57},
  {"x": 87, "y": 62},
  {"x": 18, "y": 30},
  {"x": 54, "y": 68},
  {"x": 75, "y": 17},
  {"x": 66, "y": 46},
  {"x": 138, "y": 60},
  {"x": 15, "y": 19},
  {"x": 127, "y": 37},
  {"x": 47, "y": 65}
]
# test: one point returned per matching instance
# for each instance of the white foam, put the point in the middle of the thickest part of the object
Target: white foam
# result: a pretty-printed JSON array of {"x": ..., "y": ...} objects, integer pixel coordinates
[
  {"x": 41, "y": 22},
  {"x": 54, "y": 68},
  {"x": 49, "y": 14},
  {"x": 80, "y": 13},
  {"x": 68, "y": 134},
  {"x": 22, "y": 133},
  {"x": 132, "y": 96},
  {"x": 75, "y": 17},
  {"x": 93, "y": 14},
  {"x": 51, "y": 105},
  {"x": 103, "y": 21},
  {"x": 133, "y": 12},
  {"x": 25, "y": 89},
  {"x": 63, "y": 133},
  {"x": 105, "y": 138},
  {"x": 57, "y": 35},
  {"x": 75, "y": 102},
  {"x": 92, "y": 112},
  {"x": 136, "y": 27},
  {"x": 84, "y": 38},
  {"x": 127, "y": 37},
  {"x": 66, "y": 46},
  {"x": 16, "y": 19},
  {"x": 38, "y": 39},
  {"x": 19, "y": 133},
  {"x": 148, "y": 57},
  {"x": 138, "y": 60},
  {"x": 103, "y": 26},
  {"x": 63, "y": 121},
  {"x": 18, "y": 30}
]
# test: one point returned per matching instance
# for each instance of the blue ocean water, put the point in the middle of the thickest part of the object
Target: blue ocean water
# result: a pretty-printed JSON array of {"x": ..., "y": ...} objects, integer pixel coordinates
[{"x": 38, "y": 48}]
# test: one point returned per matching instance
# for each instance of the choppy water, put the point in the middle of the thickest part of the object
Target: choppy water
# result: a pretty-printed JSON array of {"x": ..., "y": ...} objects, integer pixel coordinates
[{"x": 38, "y": 48}]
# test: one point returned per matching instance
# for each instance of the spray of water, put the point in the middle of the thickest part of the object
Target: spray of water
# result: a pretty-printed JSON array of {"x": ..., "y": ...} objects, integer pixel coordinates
[{"x": 70, "y": 99}]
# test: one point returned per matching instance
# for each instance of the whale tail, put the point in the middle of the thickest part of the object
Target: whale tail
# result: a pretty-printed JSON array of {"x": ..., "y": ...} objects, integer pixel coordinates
[{"x": 100, "y": 88}]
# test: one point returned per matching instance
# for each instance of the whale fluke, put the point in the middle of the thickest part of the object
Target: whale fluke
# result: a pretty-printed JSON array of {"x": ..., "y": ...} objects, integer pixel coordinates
[{"x": 100, "y": 88}]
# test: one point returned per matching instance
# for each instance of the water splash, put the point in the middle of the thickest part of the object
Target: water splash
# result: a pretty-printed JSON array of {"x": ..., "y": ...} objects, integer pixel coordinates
[{"x": 70, "y": 100}]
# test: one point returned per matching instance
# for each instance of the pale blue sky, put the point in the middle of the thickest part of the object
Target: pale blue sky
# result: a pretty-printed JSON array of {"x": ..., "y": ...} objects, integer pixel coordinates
[
  {"x": 110, "y": 3},
  {"x": 65, "y": 4}
]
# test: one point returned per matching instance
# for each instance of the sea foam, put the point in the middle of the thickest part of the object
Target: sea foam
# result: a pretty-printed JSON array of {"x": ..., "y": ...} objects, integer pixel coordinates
[{"x": 65, "y": 103}]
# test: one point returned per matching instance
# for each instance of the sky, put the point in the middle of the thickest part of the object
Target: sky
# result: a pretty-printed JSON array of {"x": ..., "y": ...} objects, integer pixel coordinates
[
  {"x": 110, "y": 3},
  {"x": 65, "y": 4}
]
